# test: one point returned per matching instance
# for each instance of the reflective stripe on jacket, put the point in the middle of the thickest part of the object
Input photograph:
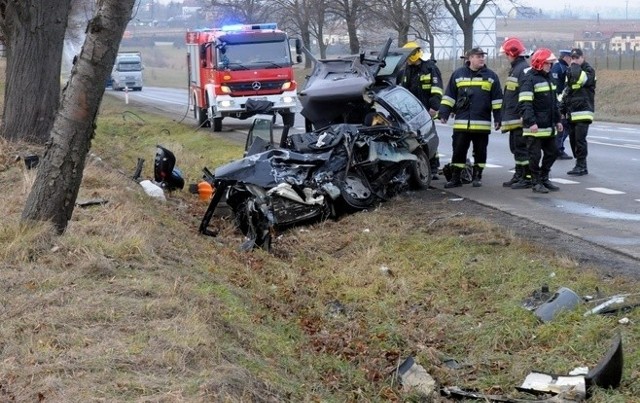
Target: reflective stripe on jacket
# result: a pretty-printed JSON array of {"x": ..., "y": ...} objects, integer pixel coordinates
[
  {"x": 538, "y": 103},
  {"x": 578, "y": 100},
  {"x": 425, "y": 82},
  {"x": 510, "y": 115},
  {"x": 472, "y": 96}
]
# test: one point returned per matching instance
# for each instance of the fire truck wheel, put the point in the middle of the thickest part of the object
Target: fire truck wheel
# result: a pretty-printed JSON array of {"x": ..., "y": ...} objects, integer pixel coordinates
[
  {"x": 217, "y": 124},
  {"x": 288, "y": 119},
  {"x": 200, "y": 115}
]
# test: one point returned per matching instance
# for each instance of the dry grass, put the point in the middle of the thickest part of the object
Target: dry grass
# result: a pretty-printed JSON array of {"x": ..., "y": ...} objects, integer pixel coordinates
[{"x": 131, "y": 304}]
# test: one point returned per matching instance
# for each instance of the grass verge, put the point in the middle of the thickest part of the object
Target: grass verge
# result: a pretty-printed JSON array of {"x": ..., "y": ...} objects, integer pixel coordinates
[{"x": 131, "y": 304}]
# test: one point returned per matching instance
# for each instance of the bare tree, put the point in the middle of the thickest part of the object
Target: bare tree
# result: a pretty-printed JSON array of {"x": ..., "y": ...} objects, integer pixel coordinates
[
  {"x": 57, "y": 183},
  {"x": 299, "y": 13},
  {"x": 460, "y": 10},
  {"x": 351, "y": 11},
  {"x": 241, "y": 11},
  {"x": 394, "y": 14},
  {"x": 33, "y": 33},
  {"x": 425, "y": 20}
]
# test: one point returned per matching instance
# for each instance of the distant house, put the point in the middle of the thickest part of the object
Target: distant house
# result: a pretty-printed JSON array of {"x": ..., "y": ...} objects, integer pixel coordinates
[{"x": 619, "y": 38}]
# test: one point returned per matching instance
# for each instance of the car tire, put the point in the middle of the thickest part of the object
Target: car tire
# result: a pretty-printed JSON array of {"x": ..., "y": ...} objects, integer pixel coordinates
[
  {"x": 356, "y": 193},
  {"x": 420, "y": 171}
]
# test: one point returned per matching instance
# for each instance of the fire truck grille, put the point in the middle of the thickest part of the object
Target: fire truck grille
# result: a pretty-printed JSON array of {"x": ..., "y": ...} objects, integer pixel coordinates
[{"x": 250, "y": 86}]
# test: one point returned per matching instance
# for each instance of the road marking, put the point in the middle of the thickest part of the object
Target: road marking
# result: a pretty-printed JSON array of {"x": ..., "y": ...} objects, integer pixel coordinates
[
  {"x": 607, "y": 191},
  {"x": 564, "y": 181},
  {"x": 632, "y": 146}
]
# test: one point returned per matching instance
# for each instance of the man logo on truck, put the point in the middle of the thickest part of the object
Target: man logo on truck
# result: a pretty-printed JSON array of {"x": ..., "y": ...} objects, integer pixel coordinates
[{"x": 241, "y": 70}]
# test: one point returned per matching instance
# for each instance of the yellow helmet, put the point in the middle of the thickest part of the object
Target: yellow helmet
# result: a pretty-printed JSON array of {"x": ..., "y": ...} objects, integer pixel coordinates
[
  {"x": 416, "y": 55},
  {"x": 411, "y": 45}
]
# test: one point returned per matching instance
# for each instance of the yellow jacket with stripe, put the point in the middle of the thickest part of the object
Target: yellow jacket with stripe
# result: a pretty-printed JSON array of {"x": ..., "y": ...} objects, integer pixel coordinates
[
  {"x": 472, "y": 96},
  {"x": 578, "y": 98},
  {"x": 538, "y": 103}
]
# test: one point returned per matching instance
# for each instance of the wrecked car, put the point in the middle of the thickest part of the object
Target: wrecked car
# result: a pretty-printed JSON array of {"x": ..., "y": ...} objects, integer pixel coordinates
[{"x": 367, "y": 140}]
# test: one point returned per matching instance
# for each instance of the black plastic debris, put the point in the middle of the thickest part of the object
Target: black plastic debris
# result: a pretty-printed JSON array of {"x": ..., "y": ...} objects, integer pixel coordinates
[
  {"x": 607, "y": 373},
  {"x": 91, "y": 202},
  {"x": 31, "y": 161}
]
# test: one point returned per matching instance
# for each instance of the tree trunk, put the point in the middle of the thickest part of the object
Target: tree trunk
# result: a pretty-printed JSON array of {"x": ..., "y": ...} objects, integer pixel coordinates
[
  {"x": 352, "y": 30},
  {"x": 57, "y": 183},
  {"x": 34, "y": 32}
]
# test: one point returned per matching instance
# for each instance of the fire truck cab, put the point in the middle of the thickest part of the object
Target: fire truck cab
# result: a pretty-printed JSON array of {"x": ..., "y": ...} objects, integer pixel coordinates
[{"x": 241, "y": 70}]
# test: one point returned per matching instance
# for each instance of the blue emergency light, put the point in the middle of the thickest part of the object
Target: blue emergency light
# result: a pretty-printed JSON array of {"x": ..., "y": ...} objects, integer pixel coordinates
[{"x": 249, "y": 27}]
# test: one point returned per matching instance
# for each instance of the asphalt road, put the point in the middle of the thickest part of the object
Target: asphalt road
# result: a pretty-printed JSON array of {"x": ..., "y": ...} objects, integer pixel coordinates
[{"x": 602, "y": 207}]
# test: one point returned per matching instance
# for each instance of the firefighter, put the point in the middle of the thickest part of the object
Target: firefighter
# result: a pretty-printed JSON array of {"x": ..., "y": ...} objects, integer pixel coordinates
[
  {"x": 578, "y": 105},
  {"x": 473, "y": 94},
  {"x": 424, "y": 80},
  {"x": 538, "y": 106},
  {"x": 559, "y": 74},
  {"x": 514, "y": 50}
]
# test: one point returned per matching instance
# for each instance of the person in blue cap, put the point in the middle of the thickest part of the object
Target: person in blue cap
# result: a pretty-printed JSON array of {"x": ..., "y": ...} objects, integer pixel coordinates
[{"x": 559, "y": 75}]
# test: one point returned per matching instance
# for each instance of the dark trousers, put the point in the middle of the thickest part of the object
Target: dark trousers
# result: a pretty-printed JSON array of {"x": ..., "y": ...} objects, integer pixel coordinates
[
  {"x": 518, "y": 147},
  {"x": 541, "y": 148},
  {"x": 562, "y": 136},
  {"x": 462, "y": 139},
  {"x": 578, "y": 139}
]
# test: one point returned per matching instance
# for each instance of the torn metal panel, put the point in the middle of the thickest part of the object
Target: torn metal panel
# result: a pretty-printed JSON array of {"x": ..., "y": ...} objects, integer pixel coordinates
[{"x": 563, "y": 300}]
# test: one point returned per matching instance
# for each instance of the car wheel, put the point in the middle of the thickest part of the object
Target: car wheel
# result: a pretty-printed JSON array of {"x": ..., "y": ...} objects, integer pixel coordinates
[
  {"x": 420, "y": 171},
  {"x": 356, "y": 193}
]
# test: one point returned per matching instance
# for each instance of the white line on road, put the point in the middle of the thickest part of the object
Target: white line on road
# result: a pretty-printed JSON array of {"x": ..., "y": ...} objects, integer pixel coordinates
[
  {"x": 564, "y": 181},
  {"x": 632, "y": 146},
  {"x": 607, "y": 191}
]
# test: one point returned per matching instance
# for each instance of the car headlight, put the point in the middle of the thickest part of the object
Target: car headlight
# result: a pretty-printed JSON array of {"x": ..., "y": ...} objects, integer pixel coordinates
[
  {"x": 225, "y": 89},
  {"x": 286, "y": 85},
  {"x": 287, "y": 100},
  {"x": 225, "y": 104}
]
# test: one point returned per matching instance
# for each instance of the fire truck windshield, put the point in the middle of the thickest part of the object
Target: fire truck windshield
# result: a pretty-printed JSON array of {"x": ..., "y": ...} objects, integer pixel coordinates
[{"x": 257, "y": 55}]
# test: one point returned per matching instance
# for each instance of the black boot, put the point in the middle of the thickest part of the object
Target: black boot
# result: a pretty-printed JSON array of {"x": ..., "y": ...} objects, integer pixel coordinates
[
  {"x": 516, "y": 177},
  {"x": 580, "y": 168},
  {"x": 537, "y": 186},
  {"x": 544, "y": 179},
  {"x": 476, "y": 182},
  {"x": 525, "y": 181},
  {"x": 455, "y": 179}
]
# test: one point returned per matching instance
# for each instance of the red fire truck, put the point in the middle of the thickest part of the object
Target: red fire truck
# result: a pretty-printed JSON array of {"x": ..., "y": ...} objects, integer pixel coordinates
[{"x": 241, "y": 70}]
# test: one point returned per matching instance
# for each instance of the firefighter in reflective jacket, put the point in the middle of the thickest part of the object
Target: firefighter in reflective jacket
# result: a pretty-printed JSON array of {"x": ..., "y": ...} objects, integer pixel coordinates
[
  {"x": 578, "y": 104},
  {"x": 514, "y": 50},
  {"x": 424, "y": 80},
  {"x": 540, "y": 118},
  {"x": 473, "y": 94}
]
